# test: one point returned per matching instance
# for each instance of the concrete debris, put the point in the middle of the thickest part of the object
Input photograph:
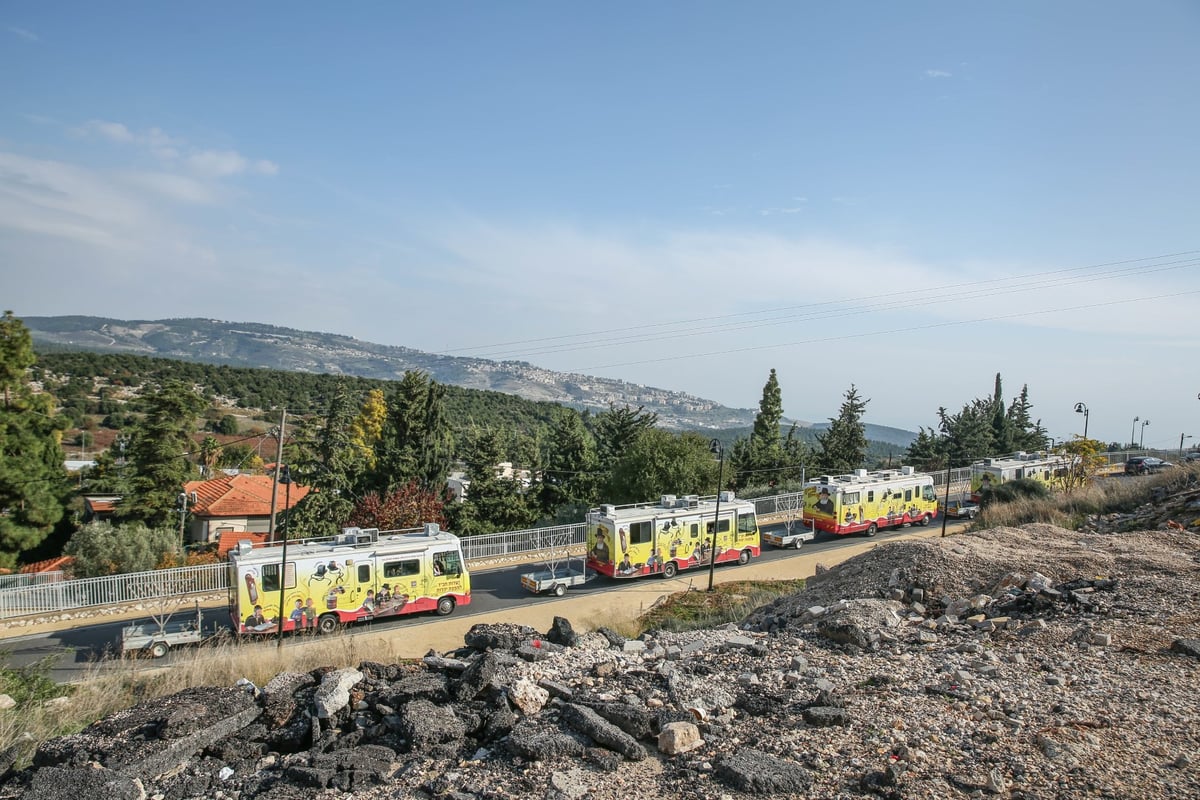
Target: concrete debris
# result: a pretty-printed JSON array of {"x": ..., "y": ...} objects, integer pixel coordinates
[{"x": 1014, "y": 662}]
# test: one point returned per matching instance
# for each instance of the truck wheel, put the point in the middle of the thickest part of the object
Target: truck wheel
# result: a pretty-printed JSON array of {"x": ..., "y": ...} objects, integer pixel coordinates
[
  {"x": 559, "y": 589},
  {"x": 925, "y": 520},
  {"x": 327, "y": 623},
  {"x": 159, "y": 649},
  {"x": 445, "y": 606},
  {"x": 872, "y": 529},
  {"x": 744, "y": 557},
  {"x": 670, "y": 570},
  {"x": 796, "y": 545}
]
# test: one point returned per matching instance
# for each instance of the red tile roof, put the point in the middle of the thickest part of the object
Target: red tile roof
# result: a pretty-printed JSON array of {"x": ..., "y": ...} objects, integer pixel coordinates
[
  {"x": 101, "y": 505},
  {"x": 241, "y": 496},
  {"x": 228, "y": 540},
  {"x": 49, "y": 565}
]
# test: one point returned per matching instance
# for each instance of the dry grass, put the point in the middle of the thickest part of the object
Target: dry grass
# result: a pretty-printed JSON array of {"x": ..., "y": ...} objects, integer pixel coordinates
[
  {"x": 114, "y": 685},
  {"x": 1100, "y": 497}
]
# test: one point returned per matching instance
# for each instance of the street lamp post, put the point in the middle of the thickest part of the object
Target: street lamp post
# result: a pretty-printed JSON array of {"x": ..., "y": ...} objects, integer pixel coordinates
[
  {"x": 1081, "y": 408},
  {"x": 1131, "y": 431},
  {"x": 715, "y": 447},
  {"x": 1182, "y": 436},
  {"x": 185, "y": 499},
  {"x": 1142, "y": 439},
  {"x": 284, "y": 474}
]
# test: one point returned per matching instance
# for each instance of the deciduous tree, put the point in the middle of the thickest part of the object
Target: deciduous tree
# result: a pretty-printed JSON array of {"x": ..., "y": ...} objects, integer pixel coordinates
[
  {"x": 101, "y": 548},
  {"x": 660, "y": 462},
  {"x": 408, "y": 506}
]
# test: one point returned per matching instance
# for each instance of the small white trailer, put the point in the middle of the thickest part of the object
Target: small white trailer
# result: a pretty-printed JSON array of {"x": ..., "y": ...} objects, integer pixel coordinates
[{"x": 157, "y": 638}]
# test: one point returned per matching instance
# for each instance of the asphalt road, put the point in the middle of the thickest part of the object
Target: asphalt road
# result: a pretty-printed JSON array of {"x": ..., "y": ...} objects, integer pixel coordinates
[{"x": 73, "y": 652}]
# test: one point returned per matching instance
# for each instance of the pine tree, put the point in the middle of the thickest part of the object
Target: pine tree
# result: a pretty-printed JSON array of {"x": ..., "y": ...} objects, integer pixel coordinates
[
  {"x": 415, "y": 440},
  {"x": 569, "y": 475},
  {"x": 1028, "y": 434},
  {"x": 843, "y": 447},
  {"x": 33, "y": 482},
  {"x": 326, "y": 458},
  {"x": 618, "y": 428},
  {"x": 159, "y": 455},
  {"x": 927, "y": 452},
  {"x": 493, "y": 502},
  {"x": 1002, "y": 431},
  {"x": 968, "y": 434},
  {"x": 761, "y": 459}
]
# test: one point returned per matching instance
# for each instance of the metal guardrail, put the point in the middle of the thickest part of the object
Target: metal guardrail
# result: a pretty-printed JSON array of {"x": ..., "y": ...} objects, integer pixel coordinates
[{"x": 133, "y": 587}]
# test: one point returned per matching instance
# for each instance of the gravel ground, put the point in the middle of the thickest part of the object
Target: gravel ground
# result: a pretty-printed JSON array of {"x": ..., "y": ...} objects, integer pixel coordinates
[{"x": 1077, "y": 695}]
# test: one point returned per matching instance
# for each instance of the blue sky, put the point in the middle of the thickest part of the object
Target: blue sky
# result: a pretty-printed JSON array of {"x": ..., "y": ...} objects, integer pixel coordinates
[{"x": 907, "y": 197}]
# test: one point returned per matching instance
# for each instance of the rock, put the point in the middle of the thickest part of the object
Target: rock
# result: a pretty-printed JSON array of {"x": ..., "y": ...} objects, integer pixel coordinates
[
  {"x": 1187, "y": 647},
  {"x": 334, "y": 692},
  {"x": 751, "y": 770},
  {"x": 6, "y": 702},
  {"x": 826, "y": 716},
  {"x": 477, "y": 677},
  {"x": 562, "y": 633},
  {"x": 601, "y": 731},
  {"x": 679, "y": 737},
  {"x": 537, "y": 743},
  {"x": 528, "y": 696},
  {"x": 423, "y": 724},
  {"x": 498, "y": 636}
]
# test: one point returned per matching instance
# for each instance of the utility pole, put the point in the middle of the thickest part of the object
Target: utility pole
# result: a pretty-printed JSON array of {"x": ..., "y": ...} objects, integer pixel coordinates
[
  {"x": 275, "y": 484},
  {"x": 715, "y": 447}
]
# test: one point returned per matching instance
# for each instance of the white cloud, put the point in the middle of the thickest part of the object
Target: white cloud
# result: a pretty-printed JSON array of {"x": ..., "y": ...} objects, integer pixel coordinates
[
  {"x": 113, "y": 131},
  {"x": 175, "y": 187},
  {"x": 61, "y": 200},
  {"x": 210, "y": 163},
  {"x": 27, "y": 35},
  {"x": 937, "y": 73}
]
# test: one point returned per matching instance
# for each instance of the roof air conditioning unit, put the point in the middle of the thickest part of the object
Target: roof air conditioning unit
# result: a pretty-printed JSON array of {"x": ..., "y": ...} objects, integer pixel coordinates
[
  {"x": 860, "y": 473},
  {"x": 608, "y": 511},
  {"x": 907, "y": 470},
  {"x": 432, "y": 529},
  {"x": 726, "y": 497},
  {"x": 667, "y": 501}
]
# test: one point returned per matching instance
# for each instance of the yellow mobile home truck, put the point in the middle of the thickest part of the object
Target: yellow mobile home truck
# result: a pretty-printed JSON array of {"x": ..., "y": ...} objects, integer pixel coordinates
[
  {"x": 864, "y": 502},
  {"x": 360, "y": 575}
]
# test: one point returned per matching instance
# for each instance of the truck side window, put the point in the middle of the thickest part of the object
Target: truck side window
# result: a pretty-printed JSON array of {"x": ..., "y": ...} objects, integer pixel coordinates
[
  {"x": 401, "y": 569},
  {"x": 447, "y": 564},
  {"x": 364, "y": 573}
]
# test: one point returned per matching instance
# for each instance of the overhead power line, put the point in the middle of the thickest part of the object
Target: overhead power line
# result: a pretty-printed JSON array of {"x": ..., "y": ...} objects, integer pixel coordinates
[{"x": 832, "y": 309}]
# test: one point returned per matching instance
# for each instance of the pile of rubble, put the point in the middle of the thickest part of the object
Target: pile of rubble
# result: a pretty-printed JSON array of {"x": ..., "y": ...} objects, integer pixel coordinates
[
  {"x": 1172, "y": 506},
  {"x": 1029, "y": 662}
]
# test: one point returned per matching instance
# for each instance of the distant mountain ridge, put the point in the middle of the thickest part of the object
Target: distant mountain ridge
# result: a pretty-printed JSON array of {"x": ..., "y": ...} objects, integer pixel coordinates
[{"x": 251, "y": 344}]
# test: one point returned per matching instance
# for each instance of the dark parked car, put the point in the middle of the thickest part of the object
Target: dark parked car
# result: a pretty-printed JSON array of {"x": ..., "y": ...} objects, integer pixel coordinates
[
  {"x": 1191, "y": 458},
  {"x": 1141, "y": 465}
]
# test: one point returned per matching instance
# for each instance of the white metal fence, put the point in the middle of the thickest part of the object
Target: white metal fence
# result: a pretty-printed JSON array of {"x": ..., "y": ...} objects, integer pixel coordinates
[{"x": 134, "y": 587}]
